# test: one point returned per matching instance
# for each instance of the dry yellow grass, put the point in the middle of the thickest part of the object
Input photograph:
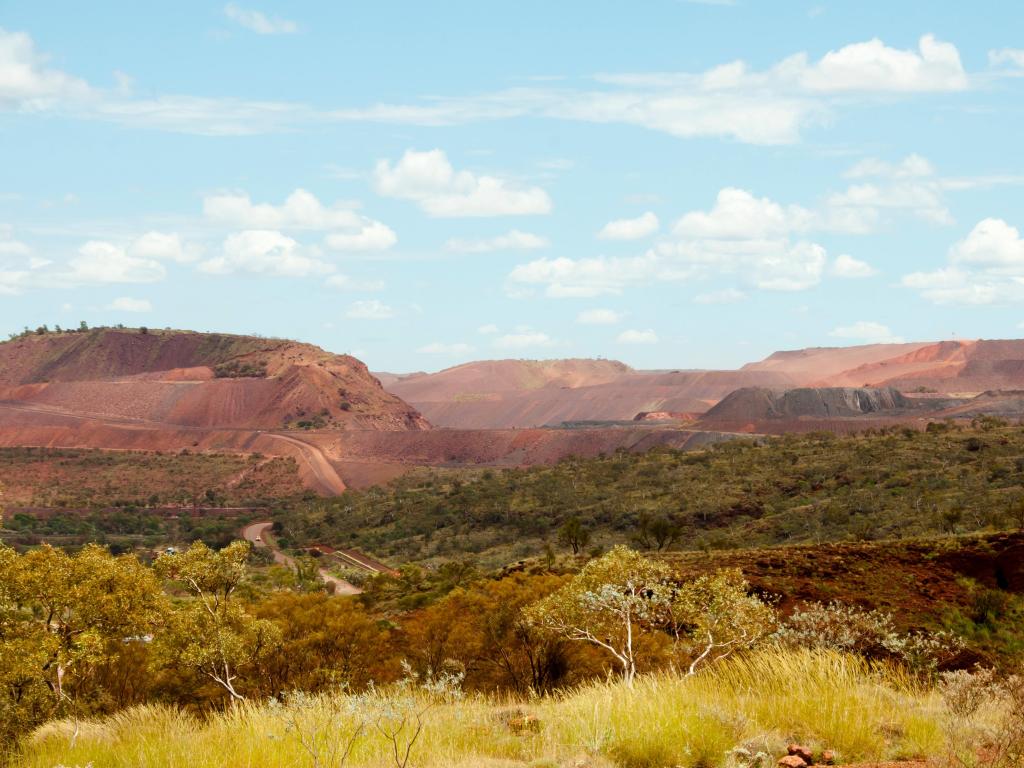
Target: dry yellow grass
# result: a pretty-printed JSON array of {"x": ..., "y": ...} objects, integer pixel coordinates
[{"x": 757, "y": 703}]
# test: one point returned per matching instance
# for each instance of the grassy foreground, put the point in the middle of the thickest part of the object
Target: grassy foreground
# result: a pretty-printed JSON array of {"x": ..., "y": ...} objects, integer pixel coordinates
[{"x": 756, "y": 704}]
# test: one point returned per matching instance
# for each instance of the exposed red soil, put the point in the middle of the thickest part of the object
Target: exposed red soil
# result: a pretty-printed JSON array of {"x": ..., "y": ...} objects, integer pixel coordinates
[
  {"x": 908, "y": 578},
  {"x": 171, "y": 377},
  {"x": 329, "y": 461},
  {"x": 512, "y": 393}
]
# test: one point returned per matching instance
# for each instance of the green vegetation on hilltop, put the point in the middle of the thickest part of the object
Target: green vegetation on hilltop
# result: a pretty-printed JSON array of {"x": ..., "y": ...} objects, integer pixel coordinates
[{"x": 811, "y": 488}]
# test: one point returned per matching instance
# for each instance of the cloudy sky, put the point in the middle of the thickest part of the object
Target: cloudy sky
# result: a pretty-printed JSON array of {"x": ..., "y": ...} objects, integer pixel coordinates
[{"x": 670, "y": 183}]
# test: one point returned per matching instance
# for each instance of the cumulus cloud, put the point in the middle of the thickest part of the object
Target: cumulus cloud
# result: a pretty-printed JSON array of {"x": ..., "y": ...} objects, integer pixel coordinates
[
  {"x": 847, "y": 266},
  {"x": 599, "y": 317},
  {"x": 866, "y": 331},
  {"x": 165, "y": 247},
  {"x": 524, "y": 340},
  {"x": 127, "y": 304},
  {"x": 986, "y": 267},
  {"x": 637, "y": 337},
  {"x": 737, "y": 214},
  {"x": 630, "y": 229},
  {"x": 514, "y": 240},
  {"x": 370, "y": 309},
  {"x": 100, "y": 262},
  {"x": 258, "y": 22},
  {"x": 428, "y": 179},
  {"x": 487, "y": 329},
  {"x": 449, "y": 350},
  {"x": 302, "y": 210},
  {"x": 874, "y": 66},
  {"x": 264, "y": 251},
  {"x": 742, "y": 236}
]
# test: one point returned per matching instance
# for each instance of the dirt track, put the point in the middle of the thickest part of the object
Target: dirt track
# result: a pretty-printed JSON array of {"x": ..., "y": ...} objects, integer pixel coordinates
[{"x": 259, "y": 535}]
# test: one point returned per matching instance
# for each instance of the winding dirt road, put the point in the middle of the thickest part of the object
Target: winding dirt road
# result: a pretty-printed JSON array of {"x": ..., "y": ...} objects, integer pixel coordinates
[{"x": 258, "y": 534}]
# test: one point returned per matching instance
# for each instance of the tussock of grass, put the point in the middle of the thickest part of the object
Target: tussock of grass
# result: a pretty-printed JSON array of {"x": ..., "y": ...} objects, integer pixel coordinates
[{"x": 759, "y": 703}]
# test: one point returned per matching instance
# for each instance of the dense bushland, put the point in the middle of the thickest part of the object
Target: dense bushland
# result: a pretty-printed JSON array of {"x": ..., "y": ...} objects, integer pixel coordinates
[{"x": 795, "y": 489}]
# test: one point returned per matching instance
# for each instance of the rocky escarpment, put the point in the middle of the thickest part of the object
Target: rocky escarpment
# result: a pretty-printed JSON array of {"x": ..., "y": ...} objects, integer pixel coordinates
[{"x": 756, "y": 403}]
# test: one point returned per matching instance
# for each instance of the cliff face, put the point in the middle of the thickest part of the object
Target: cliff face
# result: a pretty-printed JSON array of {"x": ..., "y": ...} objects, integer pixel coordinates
[
  {"x": 755, "y": 403},
  {"x": 199, "y": 380}
]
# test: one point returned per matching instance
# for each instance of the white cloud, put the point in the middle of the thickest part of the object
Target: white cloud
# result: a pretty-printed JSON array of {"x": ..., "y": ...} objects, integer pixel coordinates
[
  {"x": 874, "y": 66},
  {"x": 524, "y": 340},
  {"x": 737, "y": 214},
  {"x": 346, "y": 283},
  {"x": 1012, "y": 56},
  {"x": 514, "y": 240},
  {"x": 986, "y": 267},
  {"x": 449, "y": 350},
  {"x": 258, "y": 22},
  {"x": 126, "y": 304},
  {"x": 630, "y": 229},
  {"x": 859, "y": 208},
  {"x": 429, "y": 179},
  {"x": 371, "y": 309},
  {"x": 911, "y": 167},
  {"x": 13, "y": 281},
  {"x": 164, "y": 247},
  {"x": 13, "y": 247},
  {"x": 992, "y": 243},
  {"x": 637, "y": 337},
  {"x": 724, "y": 296},
  {"x": 372, "y": 236},
  {"x": 866, "y": 331},
  {"x": 348, "y": 230},
  {"x": 264, "y": 251},
  {"x": 588, "y": 277},
  {"x": 488, "y": 329},
  {"x": 26, "y": 83},
  {"x": 774, "y": 264},
  {"x": 599, "y": 317},
  {"x": 300, "y": 210},
  {"x": 732, "y": 101},
  {"x": 847, "y": 266},
  {"x": 102, "y": 262},
  {"x": 742, "y": 236}
]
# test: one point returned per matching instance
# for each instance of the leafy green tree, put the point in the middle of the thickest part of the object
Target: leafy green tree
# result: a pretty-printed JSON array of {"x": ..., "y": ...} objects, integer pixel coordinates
[
  {"x": 573, "y": 534},
  {"x": 210, "y": 632},
  {"x": 714, "y": 616},
  {"x": 61, "y": 616},
  {"x": 607, "y": 603}
]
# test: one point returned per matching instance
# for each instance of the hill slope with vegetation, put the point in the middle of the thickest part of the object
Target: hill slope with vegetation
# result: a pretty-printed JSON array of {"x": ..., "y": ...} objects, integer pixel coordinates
[{"x": 814, "y": 488}]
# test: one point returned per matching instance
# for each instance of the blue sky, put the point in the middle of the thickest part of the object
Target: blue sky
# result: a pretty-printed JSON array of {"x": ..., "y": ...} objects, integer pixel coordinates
[{"x": 673, "y": 184}]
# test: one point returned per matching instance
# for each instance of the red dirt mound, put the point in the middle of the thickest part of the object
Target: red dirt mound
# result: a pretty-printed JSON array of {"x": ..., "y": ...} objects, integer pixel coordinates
[{"x": 198, "y": 380}]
